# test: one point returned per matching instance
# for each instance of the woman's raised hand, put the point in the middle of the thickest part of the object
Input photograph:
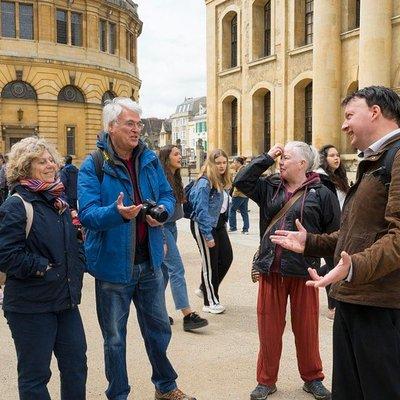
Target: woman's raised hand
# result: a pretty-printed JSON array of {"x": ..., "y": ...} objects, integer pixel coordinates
[
  {"x": 276, "y": 151},
  {"x": 293, "y": 241}
]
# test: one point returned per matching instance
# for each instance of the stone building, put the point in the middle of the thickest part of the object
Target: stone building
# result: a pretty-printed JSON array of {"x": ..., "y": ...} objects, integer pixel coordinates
[
  {"x": 197, "y": 130},
  {"x": 278, "y": 69},
  {"x": 180, "y": 120},
  {"x": 59, "y": 61},
  {"x": 151, "y": 132},
  {"x": 166, "y": 133}
]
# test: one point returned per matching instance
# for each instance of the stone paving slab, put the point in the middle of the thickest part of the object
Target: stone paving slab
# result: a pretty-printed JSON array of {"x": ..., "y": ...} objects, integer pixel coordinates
[{"x": 216, "y": 363}]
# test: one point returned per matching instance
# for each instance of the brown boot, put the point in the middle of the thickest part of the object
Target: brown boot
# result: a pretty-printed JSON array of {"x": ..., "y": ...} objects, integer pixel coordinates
[{"x": 175, "y": 394}]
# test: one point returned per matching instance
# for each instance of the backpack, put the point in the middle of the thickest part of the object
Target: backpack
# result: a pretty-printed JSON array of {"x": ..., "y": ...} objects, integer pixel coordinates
[
  {"x": 29, "y": 214},
  {"x": 98, "y": 160},
  {"x": 387, "y": 163},
  {"x": 29, "y": 220},
  {"x": 188, "y": 206}
]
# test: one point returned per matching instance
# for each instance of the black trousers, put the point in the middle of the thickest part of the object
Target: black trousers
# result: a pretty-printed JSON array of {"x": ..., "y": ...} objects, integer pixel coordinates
[
  {"x": 366, "y": 353},
  {"x": 327, "y": 267},
  {"x": 216, "y": 260}
]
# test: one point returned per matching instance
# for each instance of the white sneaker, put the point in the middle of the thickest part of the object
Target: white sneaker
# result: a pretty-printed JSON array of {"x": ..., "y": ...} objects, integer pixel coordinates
[
  {"x": 214, "y": 309},
  {"x": 199, "y": 293}
]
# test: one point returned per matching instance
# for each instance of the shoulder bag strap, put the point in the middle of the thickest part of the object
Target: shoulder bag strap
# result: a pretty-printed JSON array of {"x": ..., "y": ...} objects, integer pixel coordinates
[
  {"x": 29, "y": 213},
  {"x": 281, "y": 213}
]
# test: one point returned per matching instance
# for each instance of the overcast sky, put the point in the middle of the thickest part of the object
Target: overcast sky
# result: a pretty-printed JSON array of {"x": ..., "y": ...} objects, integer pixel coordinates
[{"x": 171, "y": 54}]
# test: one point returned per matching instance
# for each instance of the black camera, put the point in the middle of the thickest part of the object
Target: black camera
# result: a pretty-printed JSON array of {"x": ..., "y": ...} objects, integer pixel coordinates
[{"x": 157, "y": 212}]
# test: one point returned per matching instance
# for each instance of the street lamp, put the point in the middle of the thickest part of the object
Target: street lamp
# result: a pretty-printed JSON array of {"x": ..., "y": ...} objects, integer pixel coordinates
[{"x": 20, "y": 114}]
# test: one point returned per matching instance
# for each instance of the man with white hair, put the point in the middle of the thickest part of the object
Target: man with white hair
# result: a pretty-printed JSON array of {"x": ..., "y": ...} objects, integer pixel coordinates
[{"x": 124, "y": 245}]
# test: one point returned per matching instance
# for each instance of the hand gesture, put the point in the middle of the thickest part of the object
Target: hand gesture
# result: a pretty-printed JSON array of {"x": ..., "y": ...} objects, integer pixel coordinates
[
  {"x": 210, "y": 243},
  {"x": 276, "y": 151},
  {"x": 128, "y": 212},
  {"x": 293, "y": 241},
  {"x": 152, "y": 222},
  {"x": 340, "y": 272}
]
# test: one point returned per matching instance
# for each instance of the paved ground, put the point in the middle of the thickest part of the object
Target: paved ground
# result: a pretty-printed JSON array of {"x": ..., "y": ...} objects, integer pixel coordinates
[{"x": 217, "y": 363}]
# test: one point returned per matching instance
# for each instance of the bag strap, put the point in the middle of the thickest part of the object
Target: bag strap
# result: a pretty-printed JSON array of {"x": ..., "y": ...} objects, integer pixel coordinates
[
  {"x": 282, "y": 212},
  {"x": 98, "y": 159},
  {"x": 29, "y": 213}
]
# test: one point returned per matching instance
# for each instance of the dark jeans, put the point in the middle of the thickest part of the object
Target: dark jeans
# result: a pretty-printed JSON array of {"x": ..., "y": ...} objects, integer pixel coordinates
[
  {"x": 241, "y": 204},
  {"x": 366, "y": 353},
  {"x": 146, "y": 290},
  {"x": 36, "y": 337}
]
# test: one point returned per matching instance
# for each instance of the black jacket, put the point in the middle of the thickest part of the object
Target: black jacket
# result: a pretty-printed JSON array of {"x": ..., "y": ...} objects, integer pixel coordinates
[
  {"x": 69, "y": 178},
  {"x": 318, "y": 210},
  {"x": 52, "y": 239}
]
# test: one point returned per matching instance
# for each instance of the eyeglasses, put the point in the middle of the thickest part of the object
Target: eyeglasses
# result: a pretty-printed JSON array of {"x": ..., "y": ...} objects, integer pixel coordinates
[{"x": 132, "y": 124}]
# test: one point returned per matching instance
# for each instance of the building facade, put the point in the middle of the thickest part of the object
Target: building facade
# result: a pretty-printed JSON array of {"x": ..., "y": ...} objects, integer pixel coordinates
[
  {"x": 181, "y": 121},
  {"x": 151, "y": 132},
  {"x": 59, "y": 61},
  {"x": 166, "y": 133},
  {"x": 277, "y": 70},
  {"x": 197, "y": 129}
]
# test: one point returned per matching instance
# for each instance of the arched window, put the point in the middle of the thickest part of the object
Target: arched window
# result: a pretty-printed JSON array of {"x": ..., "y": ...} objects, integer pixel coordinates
[
  {"x": 109, "y": 95},
  {"x": 308, "y": 21},
  {"x": 234, "y": 36},
  {"x": 267, "y": 120},
  {"x": 267, "y": 28},
  {"x": 353, "y": 14},
  {"x": 18, "y": 90},
  {"x": 230, "y": 45},
  {"x": 71, "y": 94},
  {"x": 308, "y": 113},
  {"x": 358, "y": 13},
  {"x": 234, "y": 126}
]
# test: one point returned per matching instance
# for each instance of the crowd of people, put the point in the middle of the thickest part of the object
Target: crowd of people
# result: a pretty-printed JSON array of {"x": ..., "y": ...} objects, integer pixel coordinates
[{"x": 129, "y": 200}]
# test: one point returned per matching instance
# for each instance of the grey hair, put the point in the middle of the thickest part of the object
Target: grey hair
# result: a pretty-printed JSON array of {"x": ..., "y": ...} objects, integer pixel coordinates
[
  {"x": 23, "y": 153},
  {"x": 307, "y": 153},
  {"x": 113, "y": 108}
]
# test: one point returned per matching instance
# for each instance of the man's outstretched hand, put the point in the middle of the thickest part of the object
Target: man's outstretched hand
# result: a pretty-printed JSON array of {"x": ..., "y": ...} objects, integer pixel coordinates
[
  {"x": 340, "y": 272},
  {"x": 293, "y": 241},
  {"x": 127, "y": 212}
]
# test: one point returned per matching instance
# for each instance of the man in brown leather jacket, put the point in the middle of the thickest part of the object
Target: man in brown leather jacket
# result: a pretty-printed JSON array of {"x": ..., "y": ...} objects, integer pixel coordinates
[{"x": 366, "y": 279}]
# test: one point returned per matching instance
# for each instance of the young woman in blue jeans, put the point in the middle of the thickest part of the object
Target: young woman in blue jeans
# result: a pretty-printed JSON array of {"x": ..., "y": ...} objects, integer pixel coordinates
[{"x": 172, "y": 266}]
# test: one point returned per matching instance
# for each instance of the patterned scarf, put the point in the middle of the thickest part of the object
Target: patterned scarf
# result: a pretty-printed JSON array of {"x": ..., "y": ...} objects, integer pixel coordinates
[{"x": 55, "y": 189}]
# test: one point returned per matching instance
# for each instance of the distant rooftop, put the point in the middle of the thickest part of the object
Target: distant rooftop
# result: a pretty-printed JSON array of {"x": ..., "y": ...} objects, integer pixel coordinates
[
  {"x": 191, "y": 105},
  {"x": 128, "y": 5}
]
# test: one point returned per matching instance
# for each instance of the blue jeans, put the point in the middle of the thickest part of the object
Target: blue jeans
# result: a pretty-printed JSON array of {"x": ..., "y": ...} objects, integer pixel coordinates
[
  {"x": 113, "y": 300},
  {"x": 173, "y": 269},
  {"x": 36, "y": 337},
  {"x": 241, "y": 204}
]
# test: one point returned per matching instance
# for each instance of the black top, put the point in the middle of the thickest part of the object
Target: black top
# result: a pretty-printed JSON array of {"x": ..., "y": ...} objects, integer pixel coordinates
[{"x": 318, "y": 209}]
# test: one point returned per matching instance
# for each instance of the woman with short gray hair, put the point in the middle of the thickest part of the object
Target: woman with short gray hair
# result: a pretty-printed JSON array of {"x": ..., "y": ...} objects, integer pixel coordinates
[{"x": 295, "y": 194}]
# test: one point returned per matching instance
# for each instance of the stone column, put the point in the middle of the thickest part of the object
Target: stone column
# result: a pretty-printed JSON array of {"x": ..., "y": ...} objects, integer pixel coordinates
[
  {"x": 212, "y": 91},
  {"x": 375, "y": 43},
  {"x": 326, "y": 72}
]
